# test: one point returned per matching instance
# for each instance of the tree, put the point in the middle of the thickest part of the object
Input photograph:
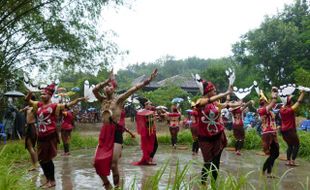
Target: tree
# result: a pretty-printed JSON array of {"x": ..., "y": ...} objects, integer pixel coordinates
[
  {"x": 163, "y": 96},
  {"x": 279, "y": 46},
  {"x": 38, "y": 33}
]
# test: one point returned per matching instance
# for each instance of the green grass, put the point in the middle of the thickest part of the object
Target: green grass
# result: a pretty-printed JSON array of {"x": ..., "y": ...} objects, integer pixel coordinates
[
  {"x": 13, "y": 167},
  {"x": 80, "y": 142},
  {"x": 187, "y": 177},
  {"x": 14, "y": 161},
  {"x": 304, "y": 150},
  {"x": 253, "y": 142}
]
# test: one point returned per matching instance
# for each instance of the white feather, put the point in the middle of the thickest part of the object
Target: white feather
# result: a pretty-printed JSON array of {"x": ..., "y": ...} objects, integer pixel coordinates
[{"x": 88, "y": 92}]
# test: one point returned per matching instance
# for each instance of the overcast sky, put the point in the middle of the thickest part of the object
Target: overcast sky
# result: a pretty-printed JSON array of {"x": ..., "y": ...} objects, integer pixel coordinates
[{"x": 151, "y": 29}]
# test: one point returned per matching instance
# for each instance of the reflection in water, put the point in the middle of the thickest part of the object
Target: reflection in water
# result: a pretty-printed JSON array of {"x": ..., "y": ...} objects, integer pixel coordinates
[
  {"x": 66, "y": 174},
  {"x": 77, "y": 172}
]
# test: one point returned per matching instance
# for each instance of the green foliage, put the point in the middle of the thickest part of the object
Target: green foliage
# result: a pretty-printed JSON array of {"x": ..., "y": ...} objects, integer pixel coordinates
[
  {"x": 216, "y": 74},
  {"x": 185, "y": 137},
  {"x": 13, "y": 152},
  {"x": 12, "y": 171},
  {"x": 153, "y": 181},
  {"x": 185, "y": 177},
  {"x": 78, "y": 141},
  {"x": 302, "y": 77},
  {"x": 130, "y": 141},
  {"x": 163, "y": 96},
  {"x": 279, "y": 45},
  {"x": 44, "y": 33},
  {"x": 252, "y": 140},
  {"x": 304, "y": 149},
  {"x": 164, "y": 139},
  {"x": 167, "y": 67}
]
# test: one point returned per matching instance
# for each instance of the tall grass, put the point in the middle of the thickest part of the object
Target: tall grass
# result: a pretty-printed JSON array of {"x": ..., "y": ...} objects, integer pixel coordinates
[
  {"x": 80, "y": 142},
  {"x": 304, "y": 150},
  {"x": 186, "y": 178},
  {"x": 13, "y": 168}
]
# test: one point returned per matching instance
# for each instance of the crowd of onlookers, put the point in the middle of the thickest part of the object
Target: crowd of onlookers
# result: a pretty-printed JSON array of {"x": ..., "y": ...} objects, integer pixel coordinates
[
  {"x": 13, "y": 121},
  {"x": 88, "y": 116}
]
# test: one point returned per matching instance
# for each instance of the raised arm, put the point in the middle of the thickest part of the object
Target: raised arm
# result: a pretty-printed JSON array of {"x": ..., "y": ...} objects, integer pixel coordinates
[
  {"x": 247, "y": 105},
  {"x": 28, "y": 99},
  {"x": 135, "y": 88},
  {"x": 299, "y": 100},
  {"x": 274, "y": 95},
  {"x": 232, "y": 104},
  {"x": 61, "y": 107},
  {"x": 100, "y": 86},
  {"x": 74, "y": 102},
  {"x": 206, "y": 100}
]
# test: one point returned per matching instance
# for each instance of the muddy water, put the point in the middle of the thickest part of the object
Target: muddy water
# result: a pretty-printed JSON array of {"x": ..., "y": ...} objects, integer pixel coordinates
[{"x": 76, "y": 171}]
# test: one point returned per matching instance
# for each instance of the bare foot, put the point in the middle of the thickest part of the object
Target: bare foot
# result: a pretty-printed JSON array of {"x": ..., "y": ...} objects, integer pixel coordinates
[
  {"x": 293, "y": 163},
  {"x": 288, "y": 163},
  {"x": 49, "y": 184}
]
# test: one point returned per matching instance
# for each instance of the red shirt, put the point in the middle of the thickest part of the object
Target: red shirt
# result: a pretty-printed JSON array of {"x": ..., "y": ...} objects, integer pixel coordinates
[
  {"x": 175, "y": 117},
  {"x": 288, "y": 118},
  {"x": 67, "y": 121},
  {"x": 267, "y": 120},
  {"x": 46, "y": 118},
  {"x": 237, "y": 114},
  {"x": 209, "y": 121}
]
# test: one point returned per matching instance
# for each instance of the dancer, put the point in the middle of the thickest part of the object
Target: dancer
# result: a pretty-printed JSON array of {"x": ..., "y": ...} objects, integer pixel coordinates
[
  {"x": 238, "y": 128},
  {"x": 146, "y": 127},
  {"x": 269, "y": 131},
  {"x": 211, "y": 136},
  {"x": 288, "y": 127},
  {"x": 31, "y": 135},
  {"x": 108, "y": 151},
  {"x": 47, "y": 133},
  {"x": 174, "y": 119},
  {"x": 66, "y": 128},
  {"x": 193, "y": 127}
]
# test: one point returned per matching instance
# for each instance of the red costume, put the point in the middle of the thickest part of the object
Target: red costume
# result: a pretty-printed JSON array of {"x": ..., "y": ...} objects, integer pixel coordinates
[
  {"x": 67, "y": 123},
  {"x": 194, "y": 124},
  {"x": 269, "y": 133},
  {"x": 47, "y": 134},
  {"x": 288, "y": 126},
  {"x": 109, "y": 134},
  {"x": 147, "y": 130},
  {"x": 289, "y": 133},
  {"x": 193, "y": 127},
  {"x": 211, "y": 136},
  {"x": 104, "y": 150},
  {"x": 66, "y": 128},
  {"x": 238, "y": 129},
  {"x": 173, "y": 127}
]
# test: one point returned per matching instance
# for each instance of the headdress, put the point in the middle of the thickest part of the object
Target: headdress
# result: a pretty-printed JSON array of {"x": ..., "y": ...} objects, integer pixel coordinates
[
  {"x": 193, "y": 104},
  {"x": 207, "y": 87},
  {"x": 50, "y": 89},
  {"x": 262, "y": 97}
]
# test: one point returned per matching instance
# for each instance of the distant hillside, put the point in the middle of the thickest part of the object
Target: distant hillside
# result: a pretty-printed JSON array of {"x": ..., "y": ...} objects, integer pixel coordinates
[{"x": 167, "y": 67}]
